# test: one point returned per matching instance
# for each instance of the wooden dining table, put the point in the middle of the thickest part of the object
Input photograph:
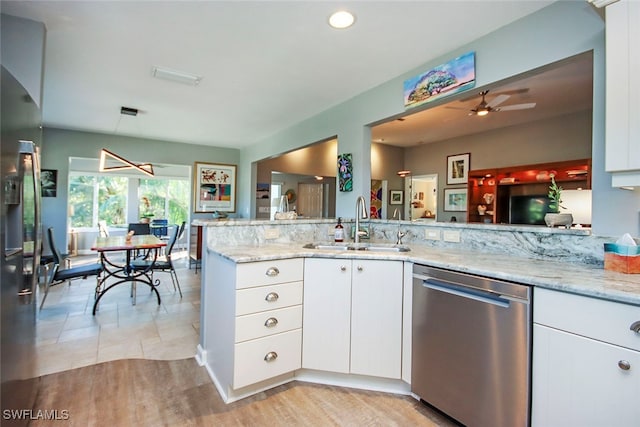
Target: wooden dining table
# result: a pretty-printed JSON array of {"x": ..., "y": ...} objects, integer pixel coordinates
[{"x": 123, "y": 271}]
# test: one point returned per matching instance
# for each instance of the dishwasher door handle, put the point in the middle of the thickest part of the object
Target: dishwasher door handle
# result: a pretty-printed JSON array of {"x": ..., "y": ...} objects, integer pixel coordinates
[{"x": 437, "y": 285}]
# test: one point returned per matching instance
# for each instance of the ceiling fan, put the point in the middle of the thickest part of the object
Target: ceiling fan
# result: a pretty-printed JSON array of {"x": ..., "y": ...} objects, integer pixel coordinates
[{"x": 484, "y": 107}]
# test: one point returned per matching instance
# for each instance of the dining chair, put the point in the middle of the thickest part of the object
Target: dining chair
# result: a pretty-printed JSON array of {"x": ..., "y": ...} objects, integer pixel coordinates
[
  {"x": 164, "y": 263},
  {"x": 140, "y": 228},
  {"x": 59, "y": 275},
  {"x": 160, "y": 228}
]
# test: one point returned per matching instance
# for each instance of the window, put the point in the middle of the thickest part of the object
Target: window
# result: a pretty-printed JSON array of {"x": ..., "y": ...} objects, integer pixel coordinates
[
  {"x": 164, "y": 198},
  {"x": 93, "y": 198},
  {"x": 105, "y": 197}
]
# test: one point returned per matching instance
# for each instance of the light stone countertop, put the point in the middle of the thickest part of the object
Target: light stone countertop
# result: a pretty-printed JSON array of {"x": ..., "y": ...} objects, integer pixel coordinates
[{"x": 581, "y": 279}]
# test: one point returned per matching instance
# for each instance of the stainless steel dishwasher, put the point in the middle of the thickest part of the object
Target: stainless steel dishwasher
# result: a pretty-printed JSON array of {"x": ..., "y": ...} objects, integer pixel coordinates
[{"x": 471, "y": 347}]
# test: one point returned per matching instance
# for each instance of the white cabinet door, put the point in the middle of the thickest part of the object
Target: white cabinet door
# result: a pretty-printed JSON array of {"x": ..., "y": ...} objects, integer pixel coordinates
[
  {"x": 623, "y": 91},
  {"x": 326, "y": 314},
  {"x": 376, "y": 318},
  {"x": 578, "y": 381}
]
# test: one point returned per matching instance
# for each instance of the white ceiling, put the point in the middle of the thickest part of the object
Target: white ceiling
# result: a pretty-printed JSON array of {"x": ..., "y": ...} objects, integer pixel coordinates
[{"x": 266, "y": 65}]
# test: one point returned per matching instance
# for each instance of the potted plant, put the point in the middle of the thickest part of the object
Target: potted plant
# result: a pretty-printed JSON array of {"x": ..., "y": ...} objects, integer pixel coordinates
[
  {"x": 146, "y": 214},
  {"x": 554, "y": 217}
]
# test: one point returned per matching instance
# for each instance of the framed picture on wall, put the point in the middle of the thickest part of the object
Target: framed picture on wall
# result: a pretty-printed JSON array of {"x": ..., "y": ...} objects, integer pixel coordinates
[
  {"x": 48, "y": 182},
  {"x": 455, "y": 199},
  {"x": 214, "y": 187},
  {"x": 458, "y": 168},
  {"x": 396, "y": 197}
]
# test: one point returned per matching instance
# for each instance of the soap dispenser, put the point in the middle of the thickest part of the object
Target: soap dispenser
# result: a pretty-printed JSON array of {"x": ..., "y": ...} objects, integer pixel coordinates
[{"x": 339, "y": 231}]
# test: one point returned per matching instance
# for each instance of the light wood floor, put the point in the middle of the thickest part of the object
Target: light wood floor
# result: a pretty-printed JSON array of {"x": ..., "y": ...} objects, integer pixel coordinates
[
  {"x": 180, "y": 393},
  {"x": 134, "y": 366}
]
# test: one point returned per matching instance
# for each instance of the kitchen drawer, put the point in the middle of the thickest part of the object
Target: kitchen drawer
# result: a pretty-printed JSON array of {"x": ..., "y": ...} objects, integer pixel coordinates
[
  {"x": 269, "y": 272},
  {"x": 263, "y": 298},
  {"x": 602, "y": 320},
  {"x": 251, "y": 357},
  {"x": 266, "y": 323}
]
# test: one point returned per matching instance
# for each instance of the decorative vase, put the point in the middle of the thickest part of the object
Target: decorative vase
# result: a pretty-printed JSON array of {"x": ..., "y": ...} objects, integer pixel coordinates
[
  {"x": 558, "y": 219},
  {"x": 488, "y": 198}
]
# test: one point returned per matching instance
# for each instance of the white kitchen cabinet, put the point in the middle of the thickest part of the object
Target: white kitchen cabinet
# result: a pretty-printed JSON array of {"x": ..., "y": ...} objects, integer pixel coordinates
[
  {"x": 623, "y": 91},
  {"x": 252, "y": 323},
  {"x": 586, "y": 362},
  {"x": 353, "y": 316}
]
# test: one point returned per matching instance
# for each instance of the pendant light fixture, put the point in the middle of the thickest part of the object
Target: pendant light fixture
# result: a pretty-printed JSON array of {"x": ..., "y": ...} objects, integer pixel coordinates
[{"x": 121, "y": 162}]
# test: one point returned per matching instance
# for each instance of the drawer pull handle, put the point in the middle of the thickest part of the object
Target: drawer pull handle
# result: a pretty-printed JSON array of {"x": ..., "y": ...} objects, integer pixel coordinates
[
  {"x": 271, "y": 297},
  {"x": 624, "y": 365},
  {"x": 343, "y": 268},
  {"x": 635, "y": 327},
  {"x": 271, "y": 322},
  {"x": 271, "y": 356},
  {"x": 272, "y": 272}
]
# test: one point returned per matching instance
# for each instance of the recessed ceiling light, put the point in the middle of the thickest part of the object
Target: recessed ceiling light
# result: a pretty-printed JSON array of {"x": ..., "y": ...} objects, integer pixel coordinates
[{"x": 342, "y": 19}]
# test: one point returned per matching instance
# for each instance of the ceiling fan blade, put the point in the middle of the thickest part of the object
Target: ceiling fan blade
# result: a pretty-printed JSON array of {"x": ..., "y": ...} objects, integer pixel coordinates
[
  {"x": 517, "y": 107},
  {"x": 498, "y": 100}
]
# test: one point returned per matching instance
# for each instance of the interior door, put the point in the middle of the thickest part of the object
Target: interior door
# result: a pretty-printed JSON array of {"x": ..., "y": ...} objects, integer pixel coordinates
[{"x": 310, "y": 198}]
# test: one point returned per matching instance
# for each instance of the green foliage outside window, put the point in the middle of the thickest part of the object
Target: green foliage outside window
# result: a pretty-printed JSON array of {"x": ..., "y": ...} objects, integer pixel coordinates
[{"x": 93, "y": 198}]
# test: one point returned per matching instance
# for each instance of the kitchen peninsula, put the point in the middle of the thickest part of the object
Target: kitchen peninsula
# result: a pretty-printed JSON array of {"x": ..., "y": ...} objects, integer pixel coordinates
[{"x": 243, "y": 256}]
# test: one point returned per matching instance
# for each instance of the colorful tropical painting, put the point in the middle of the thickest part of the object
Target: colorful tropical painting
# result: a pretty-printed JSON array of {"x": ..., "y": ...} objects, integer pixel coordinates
[
  {"x": 456, "y": 75},
  {"x": 345, "y": 172},
  {"x": 376, "y": 199}
]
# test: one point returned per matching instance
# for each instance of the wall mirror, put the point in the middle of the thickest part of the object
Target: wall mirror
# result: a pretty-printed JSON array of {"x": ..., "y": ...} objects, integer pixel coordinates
[{"x": 540, "y": 117}]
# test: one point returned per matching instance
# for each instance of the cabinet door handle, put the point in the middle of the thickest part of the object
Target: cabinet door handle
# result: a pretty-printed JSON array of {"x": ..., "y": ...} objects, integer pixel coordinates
[
  {"x": 360, "y": 268},
  {"x": 272, "y": 272},
  {"x": 25, "y": 292},
  {"x": 271, "y": 297},
  {"x": 624, "y": 365},
  {"x": 271, "y": 356},
  {"x": 635, "y": 327},
  {"x": 343, "y": 268},
  {"x": 271, "y": 322}
]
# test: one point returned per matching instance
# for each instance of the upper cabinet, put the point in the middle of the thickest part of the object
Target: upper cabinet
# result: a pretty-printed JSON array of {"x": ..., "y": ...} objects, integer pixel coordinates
[{"x": 623, "y": 93}]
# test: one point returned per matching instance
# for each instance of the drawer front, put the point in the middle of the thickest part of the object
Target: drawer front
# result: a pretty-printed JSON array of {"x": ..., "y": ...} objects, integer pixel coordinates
[
  {"x": 264, "y": 298},
  {"x": 602, "y": 320},
  {"x": 266, "y": 323},
  {"x": 269, "y": 272},
  {"x": 264, "y": 358}
]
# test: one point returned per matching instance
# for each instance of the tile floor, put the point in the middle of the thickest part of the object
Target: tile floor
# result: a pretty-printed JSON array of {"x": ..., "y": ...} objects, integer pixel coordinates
[{"x": 68, "y": 336}]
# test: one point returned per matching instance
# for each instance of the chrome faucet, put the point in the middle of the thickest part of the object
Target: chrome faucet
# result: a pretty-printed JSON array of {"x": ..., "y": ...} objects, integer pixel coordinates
[
  {"x": 361, "y": 213},
  {"x": 400, "y": 234}
]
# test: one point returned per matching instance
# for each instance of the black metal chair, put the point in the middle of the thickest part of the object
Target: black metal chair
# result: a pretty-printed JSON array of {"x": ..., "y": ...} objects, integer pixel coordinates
[
  {"x": 58, "y": 275},
  {"x": 165, "y": 263},
  {"x": 140, "y": 228}
]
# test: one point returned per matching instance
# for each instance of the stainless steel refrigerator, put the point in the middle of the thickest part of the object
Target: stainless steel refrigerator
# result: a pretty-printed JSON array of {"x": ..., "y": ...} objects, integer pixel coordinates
[{"x": 21, "y": 239}]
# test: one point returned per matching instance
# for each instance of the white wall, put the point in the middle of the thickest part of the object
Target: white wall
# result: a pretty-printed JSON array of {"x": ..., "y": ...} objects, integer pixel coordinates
[{"x": 559, "y": 31}]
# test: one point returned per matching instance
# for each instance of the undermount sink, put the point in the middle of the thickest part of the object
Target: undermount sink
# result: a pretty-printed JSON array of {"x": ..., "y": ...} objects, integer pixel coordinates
[{"x": 371, "y": 247}]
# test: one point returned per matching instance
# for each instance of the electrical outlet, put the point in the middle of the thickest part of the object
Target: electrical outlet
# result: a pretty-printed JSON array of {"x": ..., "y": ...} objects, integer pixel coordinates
[
  {"x": 432, "y": 234},
  {"x": 271, "y": 233},
  {"x": 264, "y": 209},
  {"x": 451, "y": 236}
]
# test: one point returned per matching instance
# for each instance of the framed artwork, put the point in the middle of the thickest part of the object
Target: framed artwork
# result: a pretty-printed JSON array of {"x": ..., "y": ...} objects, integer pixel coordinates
[
  {"x": 263, "y": 190},
  {"x": 396, "y": 197},
  {"x": 455, "y": 199},
  {"x": 444, "y": 80},
  {"x": 345, "y": 172},
  {"x": 49, "y": 182},
  {"x": 458, "y": 168},
  {"x": 214, "y": 187}
]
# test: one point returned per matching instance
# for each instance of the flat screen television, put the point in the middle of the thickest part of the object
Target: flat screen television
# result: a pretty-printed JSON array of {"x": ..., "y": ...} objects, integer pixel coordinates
[{"x": 528, "y": 209}]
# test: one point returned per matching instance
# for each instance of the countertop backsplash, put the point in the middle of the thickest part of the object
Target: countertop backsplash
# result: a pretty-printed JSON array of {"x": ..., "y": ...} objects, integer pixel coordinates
[{"x": 575, "y": 245}]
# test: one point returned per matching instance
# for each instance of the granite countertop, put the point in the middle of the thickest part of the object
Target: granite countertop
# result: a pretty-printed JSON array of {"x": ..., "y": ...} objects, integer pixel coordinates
[{"x": 587, "y": 280}]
